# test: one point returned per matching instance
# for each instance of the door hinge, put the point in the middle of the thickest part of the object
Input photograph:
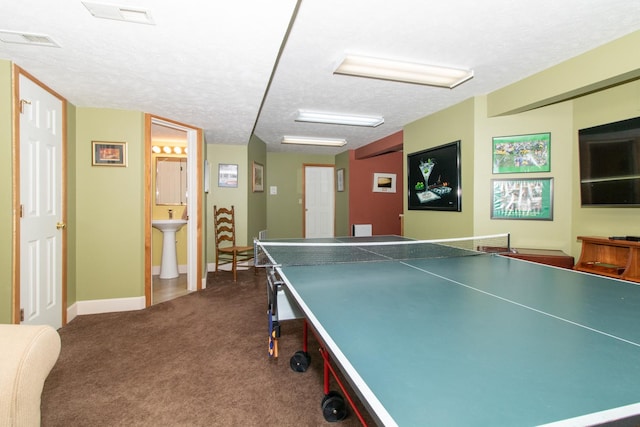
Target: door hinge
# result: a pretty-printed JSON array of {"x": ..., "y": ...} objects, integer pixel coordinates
[
  {"x": 22, "y": 314},
  {"x": 21, "y": 211}
]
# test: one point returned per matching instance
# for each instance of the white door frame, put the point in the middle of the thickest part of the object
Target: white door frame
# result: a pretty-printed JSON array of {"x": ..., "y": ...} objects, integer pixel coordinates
[
  {"x": 17, "y": 260},
  {"x": 194, "y": 204}
]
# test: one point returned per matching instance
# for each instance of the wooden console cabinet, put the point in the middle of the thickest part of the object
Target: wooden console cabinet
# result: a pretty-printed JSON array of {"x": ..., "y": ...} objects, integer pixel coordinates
[
  {"x": 542, "y": 256},
  {"x": 612, "y": 258},
  {"x": 552, "y": 257}
]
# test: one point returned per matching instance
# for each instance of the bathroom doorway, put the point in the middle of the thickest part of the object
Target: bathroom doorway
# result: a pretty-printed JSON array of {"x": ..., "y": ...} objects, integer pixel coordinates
[
  {"x": 169, "y": 193},
  {"x": 174, "y": 151}
]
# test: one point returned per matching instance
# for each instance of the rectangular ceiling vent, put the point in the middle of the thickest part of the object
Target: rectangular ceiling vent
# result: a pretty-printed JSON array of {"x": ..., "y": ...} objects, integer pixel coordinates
[
  {"x": 27, "y": 38},
  {"x": 119, "y": 13}
]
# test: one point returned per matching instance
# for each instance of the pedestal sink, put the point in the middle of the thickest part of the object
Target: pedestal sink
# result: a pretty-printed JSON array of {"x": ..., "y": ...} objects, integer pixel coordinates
[{"x": 169, "y": 265}]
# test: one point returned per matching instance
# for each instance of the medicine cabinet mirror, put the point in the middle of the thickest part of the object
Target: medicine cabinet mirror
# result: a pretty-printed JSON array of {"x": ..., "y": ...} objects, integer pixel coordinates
[{"x": 171, "y": 181}]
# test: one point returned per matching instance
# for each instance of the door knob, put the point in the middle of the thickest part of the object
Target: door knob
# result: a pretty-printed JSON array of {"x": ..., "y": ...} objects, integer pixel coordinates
[{"x": 61, "y": 225}]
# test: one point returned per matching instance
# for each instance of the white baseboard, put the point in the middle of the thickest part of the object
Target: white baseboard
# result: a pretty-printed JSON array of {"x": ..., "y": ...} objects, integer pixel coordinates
[
  {"x": 72, "y": 312},
  {"x": 134, "y": 303},
  {"x": 105, "y": 306}
]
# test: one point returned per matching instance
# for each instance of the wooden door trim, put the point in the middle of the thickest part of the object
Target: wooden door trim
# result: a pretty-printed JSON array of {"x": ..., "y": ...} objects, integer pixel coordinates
[
  {"x": 15, "y": 270},
  {"x": 148, "y": 120}
]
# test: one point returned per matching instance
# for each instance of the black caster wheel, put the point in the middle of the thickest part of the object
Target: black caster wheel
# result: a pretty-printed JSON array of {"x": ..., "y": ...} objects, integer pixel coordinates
[
  {"x": 300, "y": 361},
  {"x": 334, "y": 408}
]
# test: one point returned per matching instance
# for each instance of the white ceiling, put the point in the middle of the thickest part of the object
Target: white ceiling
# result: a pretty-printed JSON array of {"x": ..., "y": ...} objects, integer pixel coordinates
[{"x": 210, "y": 64}]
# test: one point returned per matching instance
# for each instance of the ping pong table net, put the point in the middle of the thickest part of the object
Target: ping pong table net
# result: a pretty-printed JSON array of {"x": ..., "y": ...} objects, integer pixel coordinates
[{"x": 291, "y": 252}]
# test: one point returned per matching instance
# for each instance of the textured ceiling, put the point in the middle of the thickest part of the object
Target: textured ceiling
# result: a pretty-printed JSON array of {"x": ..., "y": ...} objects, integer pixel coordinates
[{"x": 211, "y": 64}]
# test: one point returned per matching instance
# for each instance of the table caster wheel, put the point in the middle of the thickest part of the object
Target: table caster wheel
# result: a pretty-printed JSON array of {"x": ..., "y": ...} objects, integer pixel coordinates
[
  {"x": 300, "y": 361},
  {"x": 333, "y": 407}
]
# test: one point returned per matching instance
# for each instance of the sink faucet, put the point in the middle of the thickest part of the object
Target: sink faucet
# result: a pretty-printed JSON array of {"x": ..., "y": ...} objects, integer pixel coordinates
[{"x": 170, "y": 213}]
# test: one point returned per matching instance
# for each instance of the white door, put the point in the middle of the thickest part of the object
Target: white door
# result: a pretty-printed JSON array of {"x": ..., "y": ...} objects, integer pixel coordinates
[
  {"x": 41, "y": 226},
  {"x": 319, "y": 201}
]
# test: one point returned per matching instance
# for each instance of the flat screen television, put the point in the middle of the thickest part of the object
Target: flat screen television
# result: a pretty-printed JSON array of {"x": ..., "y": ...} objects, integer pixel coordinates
[{"x": 610, "y": 164}]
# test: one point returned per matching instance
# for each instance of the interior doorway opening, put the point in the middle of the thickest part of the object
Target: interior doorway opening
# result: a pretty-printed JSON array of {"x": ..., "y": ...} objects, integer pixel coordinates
[{"x": 162, "y": 133}]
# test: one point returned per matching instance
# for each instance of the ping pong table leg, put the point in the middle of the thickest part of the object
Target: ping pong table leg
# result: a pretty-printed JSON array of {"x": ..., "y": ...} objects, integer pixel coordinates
[
  {"x": 333, "y": 407},
  {"x": 300, "y": 361},
  {"x": 305, "y": 336}
]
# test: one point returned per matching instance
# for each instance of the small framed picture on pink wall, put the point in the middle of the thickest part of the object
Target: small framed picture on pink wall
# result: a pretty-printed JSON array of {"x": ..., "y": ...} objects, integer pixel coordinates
[{"x": 384, "y": 182}]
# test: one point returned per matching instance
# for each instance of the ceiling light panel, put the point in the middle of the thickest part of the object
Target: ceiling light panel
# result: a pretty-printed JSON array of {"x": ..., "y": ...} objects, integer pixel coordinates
[
  {"x": 338, "y": 119},
  {"x": 27, "y": 38},
  {"x": 407, "y": 72},
  {"x": 302, "y": 140},
  {"x": 119, "y": 13}
]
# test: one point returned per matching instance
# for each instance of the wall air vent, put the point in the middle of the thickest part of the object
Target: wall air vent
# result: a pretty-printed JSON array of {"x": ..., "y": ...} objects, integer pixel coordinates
[{"x": 27, "y": 38}]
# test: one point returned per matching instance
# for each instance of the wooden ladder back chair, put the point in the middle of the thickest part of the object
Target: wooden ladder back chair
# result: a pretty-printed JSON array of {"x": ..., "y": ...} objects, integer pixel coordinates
[{"x": 227, "y": 252}]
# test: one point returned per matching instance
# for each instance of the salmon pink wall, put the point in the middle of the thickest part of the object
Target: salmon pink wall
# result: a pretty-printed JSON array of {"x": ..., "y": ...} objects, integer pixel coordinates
[{"x": 382, "y": 210}]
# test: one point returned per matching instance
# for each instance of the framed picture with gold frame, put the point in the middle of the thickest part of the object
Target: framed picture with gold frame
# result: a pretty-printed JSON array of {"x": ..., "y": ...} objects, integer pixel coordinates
[
  {"x": 258, "y": 177},
  {"x": 108, "y": 153}
]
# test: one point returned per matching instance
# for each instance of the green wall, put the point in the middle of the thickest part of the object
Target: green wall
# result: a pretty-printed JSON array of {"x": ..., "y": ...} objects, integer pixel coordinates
[
  {"x": 342, "y": 198},
  {"x": 223, "y": 196},
  {"x": 284, "y": 210},
  {"x": 611, "y": 64},
  {"x": 561, "y": 106},
  {"x": 6, "y": 206},
  {"x": 562, "y": 120},
  {"x": 555, "y": 119},
  {"x": 109, "y": 208},
  {"x": 257, "y": 201},
  {"x": 618, "y": 103},
  {"x": 453, "y": 124}
]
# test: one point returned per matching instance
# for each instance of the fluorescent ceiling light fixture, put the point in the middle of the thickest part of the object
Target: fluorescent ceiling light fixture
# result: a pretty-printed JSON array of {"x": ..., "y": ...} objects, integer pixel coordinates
[
  {"x": 119, "y": 13},
  {"x": 27, "y": 38},
  {"x": 407, "y": 72},
  {"x": 338, "y": 119},
  {"x": 303, "y": 140}
]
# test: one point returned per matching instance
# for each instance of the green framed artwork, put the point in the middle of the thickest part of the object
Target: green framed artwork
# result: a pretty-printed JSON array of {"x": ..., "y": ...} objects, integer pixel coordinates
[
  {"x": 522, "y": 153},
  {"x": 522, "y": 199}
]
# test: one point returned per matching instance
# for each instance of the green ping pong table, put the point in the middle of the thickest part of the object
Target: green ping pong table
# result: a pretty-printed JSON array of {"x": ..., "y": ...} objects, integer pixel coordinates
[{"x": 449, "y": 340}]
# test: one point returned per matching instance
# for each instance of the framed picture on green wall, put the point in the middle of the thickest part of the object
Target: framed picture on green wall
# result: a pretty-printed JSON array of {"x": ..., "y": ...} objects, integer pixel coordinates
[
  {"x": 227, "y": 175},
  {"x": 434, "y": 178},
  {"x": 522, "y": 198},
  {"x": 258, "y": 177},
  {"x": 109, "y": 153},
  {"x": 522, "y": 153},
  {"x": 340, "y": 179}
]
